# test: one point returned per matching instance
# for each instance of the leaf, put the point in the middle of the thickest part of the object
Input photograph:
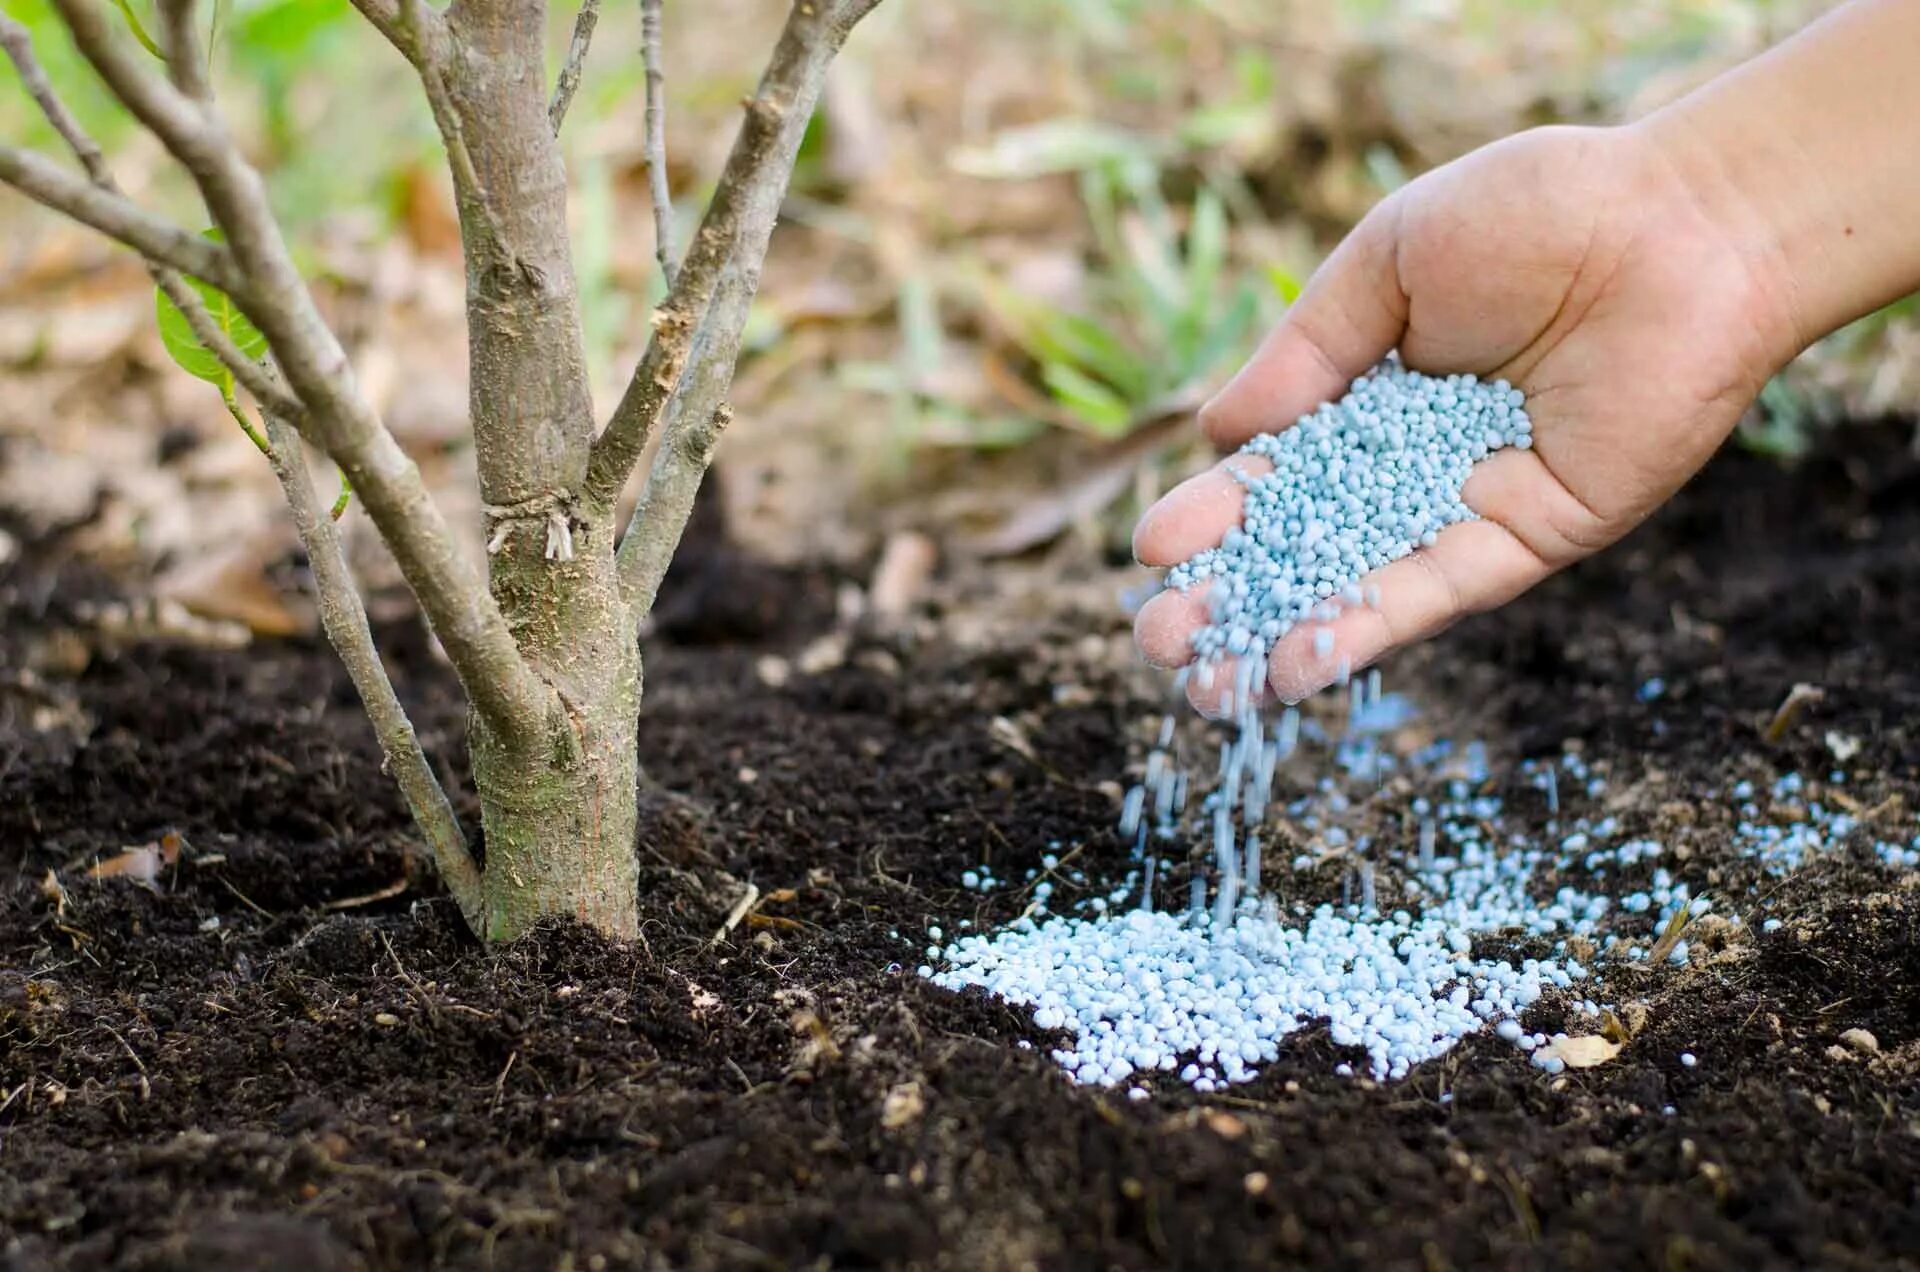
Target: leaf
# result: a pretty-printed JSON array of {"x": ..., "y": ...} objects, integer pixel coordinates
[
  {"x": 1053, "y": 146},
  {"x": 176, "y": 333},
  {"x": 1099, "y": 407},
  {"x": 138, "y": 28},
  {"x": 1048, "y": 334},
  {"x": 1285, "y": 283},
  {"x": 1583, "y": 1052},
  {"x": 1206, "y": 248}
]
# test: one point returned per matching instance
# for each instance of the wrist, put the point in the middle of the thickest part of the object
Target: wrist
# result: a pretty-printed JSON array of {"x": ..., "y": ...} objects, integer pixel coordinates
[
  {"x": 1798, "y": 157},
  {"x": 1742, "y": 203}
]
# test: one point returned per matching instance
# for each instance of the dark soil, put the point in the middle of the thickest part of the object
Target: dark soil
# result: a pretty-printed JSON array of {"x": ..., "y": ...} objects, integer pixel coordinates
[{"x": 287, "y": 1053}]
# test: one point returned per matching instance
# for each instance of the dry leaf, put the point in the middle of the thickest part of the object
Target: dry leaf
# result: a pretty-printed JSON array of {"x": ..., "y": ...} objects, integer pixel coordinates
[
  {"x": 142, "y": 864},
  {"x": 233, "y": 586},
  {"x": 1583, "y": 1052},
  {"x": 901, "y": 575}
]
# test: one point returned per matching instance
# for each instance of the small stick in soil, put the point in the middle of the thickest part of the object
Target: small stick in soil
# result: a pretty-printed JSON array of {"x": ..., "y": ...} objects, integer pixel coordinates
[
  {"x": 1798, "y": 699},
  {"x": 146, "y": 1087},
  {"x": 735, "y": 915},
  {"x": 1676, "y": 927},
  {"x": 350, "y": 903},
  {"x": 500, "y": 1083},
  {"x": 419, "y": 990}
]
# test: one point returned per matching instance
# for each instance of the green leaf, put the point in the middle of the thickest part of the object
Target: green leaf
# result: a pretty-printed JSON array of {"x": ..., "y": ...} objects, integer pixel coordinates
[
  {"x": 922, "y": 340},
  {"x": 1285, "y": 283},
  {"x": 176, "y": 333},
  {"x": 1048, "y": 334},
  {"x": 1206, "y": 244},
  {"x": 1101, "y": 409},
  {"x": 1054, "y": 146},
  {"x": 138, "y": 28}
]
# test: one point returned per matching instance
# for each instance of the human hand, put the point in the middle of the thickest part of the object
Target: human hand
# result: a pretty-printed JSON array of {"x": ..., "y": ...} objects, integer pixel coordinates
[{"x": 1578, "y": 264}]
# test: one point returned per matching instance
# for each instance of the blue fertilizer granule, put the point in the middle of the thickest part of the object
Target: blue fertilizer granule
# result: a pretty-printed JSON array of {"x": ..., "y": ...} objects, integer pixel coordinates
[{"x": 1356, "y": 485}]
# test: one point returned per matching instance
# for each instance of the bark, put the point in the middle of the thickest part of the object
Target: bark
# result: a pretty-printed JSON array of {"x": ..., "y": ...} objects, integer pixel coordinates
[{"x": 557, "y": 802}]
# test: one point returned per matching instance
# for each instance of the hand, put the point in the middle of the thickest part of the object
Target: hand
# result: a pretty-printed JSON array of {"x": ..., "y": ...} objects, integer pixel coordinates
[{"x": 1580, "y": 265}]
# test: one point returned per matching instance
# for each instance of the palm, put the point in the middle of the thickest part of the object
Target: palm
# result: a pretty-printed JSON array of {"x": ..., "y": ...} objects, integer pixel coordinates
[{"x": 1562, "y": 260}]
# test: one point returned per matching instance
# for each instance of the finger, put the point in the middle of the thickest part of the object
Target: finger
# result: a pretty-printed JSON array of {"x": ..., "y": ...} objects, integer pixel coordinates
[
  {"x": 1163, "y": 629},
  {"x": 1352, "y": 312},
  {"x": 1196, "y": 514},
  {"x": 1472, "y": 566}
]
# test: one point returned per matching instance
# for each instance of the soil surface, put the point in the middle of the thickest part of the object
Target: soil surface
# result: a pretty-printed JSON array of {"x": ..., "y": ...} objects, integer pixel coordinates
[{"x": 283, "y": 1051}]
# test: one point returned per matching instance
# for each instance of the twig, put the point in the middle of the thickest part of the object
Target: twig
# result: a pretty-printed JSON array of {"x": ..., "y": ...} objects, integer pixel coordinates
[
  {"x": 656, "y": 141},
  {"x": 384, "y": 17},
  {"x": 500, "y": 1082},
  {"x": 737, "y": 913},
  {"x": 419, "y": 28},
  {"x": 1791, "y": 708},
  {"x": 186, "y": 61},
  {"x": 413, "y": 982},
  {"x": 470, "y": 625},
  {"x": 146, "y": 1087},
  {"x": 734, "y": 231},
  {"x": 344, "y": 618},
  {"x": 569, "y": 81},
  {"x": 665, "y": 504},
  {"x": 153, "y": 237}
]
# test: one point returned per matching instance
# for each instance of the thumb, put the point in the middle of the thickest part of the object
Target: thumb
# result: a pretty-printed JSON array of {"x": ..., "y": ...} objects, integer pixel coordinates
[{"x": 1350, "y": 315}]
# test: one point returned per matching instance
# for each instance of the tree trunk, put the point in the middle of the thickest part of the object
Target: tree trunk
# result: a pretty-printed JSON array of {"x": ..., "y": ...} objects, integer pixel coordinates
[
  {"x": 557, "y": 801},
  {"x": 558, "y": 809}
]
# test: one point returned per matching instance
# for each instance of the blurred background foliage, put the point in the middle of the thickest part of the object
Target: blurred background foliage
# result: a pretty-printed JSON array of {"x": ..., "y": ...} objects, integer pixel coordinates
[{"x": 1025, "y": 237}]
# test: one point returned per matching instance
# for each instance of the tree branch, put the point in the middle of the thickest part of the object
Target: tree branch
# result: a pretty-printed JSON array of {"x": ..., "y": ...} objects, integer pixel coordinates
[
  {"x": 384, "y": 17},
  {"x": 153, "y": 237},
  {"x": 186, "y": 58},
  {"x": 656, "y": 139},
  {"x": 422, "y": 31},
  {"x": 665, "y": 505},
  {"x": 569, "y": 81},
  {"x": 344, "y": 617},
  {"x": 737, "y": 226},
  {"x": 502, "y": 688}
]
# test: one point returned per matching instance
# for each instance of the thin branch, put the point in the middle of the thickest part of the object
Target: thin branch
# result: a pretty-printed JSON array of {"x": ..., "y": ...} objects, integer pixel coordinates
[
  {"x": 344, "y": 618},
  {"x": 656, "y": 142},
  {"x": 252, "y": 376},
  {"x": 156, "y": 238},
  {"x": 471, "y": 627},
  {"x": 569, "y": 81},
  {"x": 665, "y": 505},
  {"x": 186, "y": 59},
  {"x": 384, "y": 17},
  {"x": 420, "y": 34},
  {"x": 422, "y": 40},
  {"x": 736, "y": 228}
]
